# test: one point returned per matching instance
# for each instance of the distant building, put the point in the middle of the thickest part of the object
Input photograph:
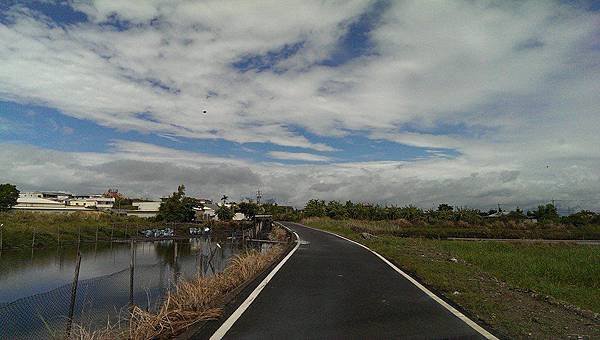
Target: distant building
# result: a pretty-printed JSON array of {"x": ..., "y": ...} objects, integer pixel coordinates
[
  {"x": 204, "y": 201},
  {"x": 61, "y": 197},
  {"x": 82, "y": 202},
  {"x": 144, "y": 209},
  {"x": 92, "y": 201},
  {"x": 46, "y": 202},
  {"x": 206, "y": 212}
]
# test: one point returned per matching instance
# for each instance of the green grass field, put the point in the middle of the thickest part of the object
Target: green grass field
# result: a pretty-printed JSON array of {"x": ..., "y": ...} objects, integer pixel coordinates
[
  {"x": 404, "y": 228},
  {"x": 564, "y": 271},
  {"x": 519, "y": 289},
  {"x": 20, "y": 227}
]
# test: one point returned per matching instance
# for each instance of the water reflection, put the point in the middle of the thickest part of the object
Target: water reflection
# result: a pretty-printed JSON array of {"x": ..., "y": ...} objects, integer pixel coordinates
[{"x": 35, "y": 287}]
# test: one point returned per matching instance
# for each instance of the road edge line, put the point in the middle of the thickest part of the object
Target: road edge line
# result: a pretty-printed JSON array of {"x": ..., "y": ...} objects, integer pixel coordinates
[
  {"x": 436, "y": 298},
  {"x": 226, "y": 326}
]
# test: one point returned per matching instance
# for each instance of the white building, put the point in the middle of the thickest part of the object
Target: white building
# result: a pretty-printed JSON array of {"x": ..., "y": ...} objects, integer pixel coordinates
[
  {"x": 93, "y": 201},
  {"x": 36, "y": 201},
  {"x": 144, "y": 209},
  {"x": 82, "y": 202},
  {"x": 206, "y": 212},
  {"x": 59, "y": 201}
]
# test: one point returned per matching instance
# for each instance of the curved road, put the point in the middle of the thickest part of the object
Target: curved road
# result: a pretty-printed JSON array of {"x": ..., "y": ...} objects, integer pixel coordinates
[{"x": 331, "y": 288}]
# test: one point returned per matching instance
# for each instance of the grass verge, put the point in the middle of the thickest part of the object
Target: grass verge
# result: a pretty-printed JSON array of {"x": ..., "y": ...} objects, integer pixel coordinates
[
  {"x": 405, "y": 228},
  {"x": 519, "y": 290}
]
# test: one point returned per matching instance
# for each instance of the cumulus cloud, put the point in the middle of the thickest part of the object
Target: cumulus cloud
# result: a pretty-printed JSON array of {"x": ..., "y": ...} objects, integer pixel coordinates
[
  {"x": 510, "y": 87},
  {"x": 139, "y": 169}
]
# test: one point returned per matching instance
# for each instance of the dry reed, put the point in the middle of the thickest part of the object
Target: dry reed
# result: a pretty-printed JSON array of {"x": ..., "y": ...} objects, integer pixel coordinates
[{"x": 193, "y": 301}]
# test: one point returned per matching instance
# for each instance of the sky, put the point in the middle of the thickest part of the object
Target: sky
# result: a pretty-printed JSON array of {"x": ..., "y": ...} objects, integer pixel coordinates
[{"x": 466, "y": 102}]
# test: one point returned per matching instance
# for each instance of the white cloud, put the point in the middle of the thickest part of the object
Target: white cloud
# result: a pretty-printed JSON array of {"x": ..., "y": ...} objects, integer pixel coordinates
[
  {"x": 146, "y": 170},
  {"x": 511, "y": 86},
  {"x": 298, "y": 156}
]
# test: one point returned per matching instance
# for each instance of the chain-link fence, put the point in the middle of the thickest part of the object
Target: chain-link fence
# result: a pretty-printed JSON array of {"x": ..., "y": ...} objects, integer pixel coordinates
[{"x": 100, "y": 300}]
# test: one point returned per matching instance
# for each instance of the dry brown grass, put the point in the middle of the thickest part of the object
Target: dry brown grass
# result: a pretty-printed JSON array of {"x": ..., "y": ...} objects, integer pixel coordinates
[
  {"x": 193, "y": 301},
  {"x": 278, "y": 234}
]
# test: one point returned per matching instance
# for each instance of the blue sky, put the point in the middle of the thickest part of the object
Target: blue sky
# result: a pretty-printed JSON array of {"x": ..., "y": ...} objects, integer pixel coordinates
[
  {"x": 465, "y": 102},
  {"x": 64, "y": 133},
  {"x": 48, "y": 128}
]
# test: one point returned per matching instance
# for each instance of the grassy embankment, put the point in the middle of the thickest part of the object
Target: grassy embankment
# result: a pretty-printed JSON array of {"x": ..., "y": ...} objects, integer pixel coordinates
[
  {"x": 497, "y": 229},
  {"x": 520, "y": 290},
  {"x": 50, "y": 229},
  {"x": 193, "y": 301}
]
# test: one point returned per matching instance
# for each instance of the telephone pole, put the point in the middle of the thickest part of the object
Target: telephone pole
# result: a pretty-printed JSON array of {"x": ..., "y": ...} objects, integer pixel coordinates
[{"x": 258, "y": 196}]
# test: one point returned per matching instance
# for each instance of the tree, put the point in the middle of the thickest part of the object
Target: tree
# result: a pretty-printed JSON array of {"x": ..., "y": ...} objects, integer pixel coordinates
[
  {"x": 177, "y": 207},
  {"x": 546, "y": 213},
  {"x": 583, "y": 217},
  {"x": 335, "y": 209},
  {"x": 445, "y": 207},
  {"x": 248, "y": 209},
  {"x": 224, "y": 213},
  {"x": 315, "y": 208},
  {"x": 8, "y": 196},
  {"x": 517, "y": 214}
]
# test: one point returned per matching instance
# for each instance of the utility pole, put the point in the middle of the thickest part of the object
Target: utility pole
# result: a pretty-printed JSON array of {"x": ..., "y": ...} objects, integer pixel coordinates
[{"x": 258, "y": 196}]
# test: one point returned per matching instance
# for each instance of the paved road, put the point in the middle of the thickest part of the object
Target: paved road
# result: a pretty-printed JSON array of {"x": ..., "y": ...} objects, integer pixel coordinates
[{"x": 334, "y": 289}]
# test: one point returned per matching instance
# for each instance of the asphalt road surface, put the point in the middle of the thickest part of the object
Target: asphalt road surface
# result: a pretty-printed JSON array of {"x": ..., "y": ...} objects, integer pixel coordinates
[{"x": 334, "y": 289}]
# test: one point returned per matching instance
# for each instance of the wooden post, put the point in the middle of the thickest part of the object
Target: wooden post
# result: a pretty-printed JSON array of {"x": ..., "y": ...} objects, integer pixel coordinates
[
  {"x": 73, "y": 296},
  {"x": 33, "y": 238},
  {"x": 131, "y": 272},
  {"x": 175, "y": 264},
  {"x": 96, "y": 233},
  {"x": 175, "y": 252}
]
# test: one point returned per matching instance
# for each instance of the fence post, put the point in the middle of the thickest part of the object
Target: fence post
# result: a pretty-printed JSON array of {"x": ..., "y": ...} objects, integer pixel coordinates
[
  {"x": 58, "y": 232},
  {"x": 33, "y": 238},
  {"x": 176, "y": 269},
  {"x": 175, "y": 252},
  {"x": 73, "y": 295},
  {"x": 96, "y": 233},
  {"x": 131, "y": 272}
]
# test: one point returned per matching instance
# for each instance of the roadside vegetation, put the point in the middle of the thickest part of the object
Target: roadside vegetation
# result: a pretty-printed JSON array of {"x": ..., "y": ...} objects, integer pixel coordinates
[
  {"x": 520, "y": 290},
  {"x": 191, "y": 302},
  {"x": 447, "y": 221}
]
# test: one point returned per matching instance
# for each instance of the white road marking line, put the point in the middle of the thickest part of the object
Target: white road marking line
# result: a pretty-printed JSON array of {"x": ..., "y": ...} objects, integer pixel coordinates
[
  {"x": 226, "y": 326},
  {"x": 452, "y": 310}
]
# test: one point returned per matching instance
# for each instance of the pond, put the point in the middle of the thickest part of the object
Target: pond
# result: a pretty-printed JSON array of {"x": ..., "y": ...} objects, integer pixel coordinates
[{"x": 35, "y": 285}]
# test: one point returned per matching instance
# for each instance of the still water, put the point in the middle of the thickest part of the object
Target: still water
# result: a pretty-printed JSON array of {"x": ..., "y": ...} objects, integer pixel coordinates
[{"x": 35, "y": 286}]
